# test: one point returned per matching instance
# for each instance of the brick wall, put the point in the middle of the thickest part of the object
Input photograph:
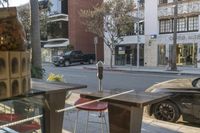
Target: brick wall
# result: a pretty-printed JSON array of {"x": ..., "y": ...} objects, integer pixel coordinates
[{"x": 79, "y": 38}]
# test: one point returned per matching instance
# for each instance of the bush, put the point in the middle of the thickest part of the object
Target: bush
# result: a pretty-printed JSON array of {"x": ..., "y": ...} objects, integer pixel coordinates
[
  {"x": 55, "y": 77},
  {"x": 37, "y": 72}
]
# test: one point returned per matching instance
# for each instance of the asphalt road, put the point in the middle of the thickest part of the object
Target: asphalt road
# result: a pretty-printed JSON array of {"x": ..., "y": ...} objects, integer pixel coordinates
[{"x": 112, "y": 80}]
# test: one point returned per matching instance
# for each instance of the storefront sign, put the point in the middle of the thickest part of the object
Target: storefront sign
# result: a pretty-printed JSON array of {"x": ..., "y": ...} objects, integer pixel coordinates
[
  {"x": 186, "y": 37},
  {"x": 121, "y": 52}
]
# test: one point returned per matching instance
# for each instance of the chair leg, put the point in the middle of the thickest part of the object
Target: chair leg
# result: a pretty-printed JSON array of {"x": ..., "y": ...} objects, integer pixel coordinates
[
  {"x": 68, "y": 115},
  {"x": 76, "y": 122},
  {"x": 105, "y": 123},
  {"x": 101, "y": 115},
  {"x": 86, "y": 129}
]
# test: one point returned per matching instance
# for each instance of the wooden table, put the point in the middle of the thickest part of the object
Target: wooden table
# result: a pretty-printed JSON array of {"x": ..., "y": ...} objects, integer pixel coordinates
[
  {"x": 51, "y": 96},
  {"x": 126, "y": 111},
  {"x": 55, "y": 95}
]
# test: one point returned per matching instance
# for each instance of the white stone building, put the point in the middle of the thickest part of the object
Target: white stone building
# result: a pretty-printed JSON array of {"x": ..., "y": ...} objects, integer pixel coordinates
[{"x": 155, "y": 44}]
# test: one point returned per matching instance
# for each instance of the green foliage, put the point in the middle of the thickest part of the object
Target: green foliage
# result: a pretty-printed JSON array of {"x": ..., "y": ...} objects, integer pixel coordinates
[
  {"x": 109, "y": 20},
  {"x": 113, "y": 18},
  {"x": 55, "y": 77},
  {"x": 38, "y": 73}
]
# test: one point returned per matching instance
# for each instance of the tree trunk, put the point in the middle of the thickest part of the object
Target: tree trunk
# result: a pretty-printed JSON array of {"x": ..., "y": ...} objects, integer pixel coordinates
[
  {"x": 35, "y": 35},
  {"x": 173, "y": 57},
  {"x": 111, "y": 59}
]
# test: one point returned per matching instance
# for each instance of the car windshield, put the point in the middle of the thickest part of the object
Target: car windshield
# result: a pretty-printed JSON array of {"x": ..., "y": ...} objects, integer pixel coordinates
[{"x": 68, "y": 53}]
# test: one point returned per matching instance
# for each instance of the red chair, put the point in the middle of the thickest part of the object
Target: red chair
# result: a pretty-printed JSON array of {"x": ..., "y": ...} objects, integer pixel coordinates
[
  {"x": 9, "y": 117},
  {"x": 26, "y": 127},
  {"x": 92, "y": 107}
]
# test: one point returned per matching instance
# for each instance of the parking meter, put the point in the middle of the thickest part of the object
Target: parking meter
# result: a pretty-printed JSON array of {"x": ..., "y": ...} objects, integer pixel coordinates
[{"x": 100, "y": 74}]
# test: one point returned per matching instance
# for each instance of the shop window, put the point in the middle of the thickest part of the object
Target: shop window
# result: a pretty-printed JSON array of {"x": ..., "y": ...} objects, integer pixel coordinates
[
  {"x": 162, "y": 60},
  {"x": 163, "y": 1}
]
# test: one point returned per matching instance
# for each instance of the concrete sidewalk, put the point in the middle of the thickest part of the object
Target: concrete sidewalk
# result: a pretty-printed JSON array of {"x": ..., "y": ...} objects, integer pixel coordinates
[
  {"x": 149, "y": 125},
  {"x": 164, "y": 70}
]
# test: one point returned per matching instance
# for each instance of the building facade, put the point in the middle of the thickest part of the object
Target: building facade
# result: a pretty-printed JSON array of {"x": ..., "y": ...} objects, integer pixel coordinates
[
  {"x": 57, "y": 30},
  {"x": 78, "y": 36},
  {"x": 156, "y": 43}
]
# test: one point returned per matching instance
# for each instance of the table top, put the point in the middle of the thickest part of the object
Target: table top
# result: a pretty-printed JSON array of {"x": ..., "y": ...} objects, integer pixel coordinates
[
  {"x": 41, "y": 87},
  {"x": 137, "y": 99},
  {"x": 51, "y": 87}
]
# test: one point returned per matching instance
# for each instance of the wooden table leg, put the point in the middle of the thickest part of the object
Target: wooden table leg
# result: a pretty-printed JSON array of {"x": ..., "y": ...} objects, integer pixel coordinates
[
  {"x": 124, "y": 119},
  {"x": 54, "y": 120},
  {"x": 136, "y": 119}
]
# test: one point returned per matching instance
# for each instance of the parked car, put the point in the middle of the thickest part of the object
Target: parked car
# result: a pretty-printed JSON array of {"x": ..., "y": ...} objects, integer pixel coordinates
[
  {"x": 184, "y": 100},
  {"x": 73, "y": 57}
]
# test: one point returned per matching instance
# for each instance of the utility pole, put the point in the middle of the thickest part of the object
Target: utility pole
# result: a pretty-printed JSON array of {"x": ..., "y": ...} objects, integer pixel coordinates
[
  {"x": 138, "y": 33},
  {"x": 95, "y": 47},
  {"x": 173, "y": 56}
]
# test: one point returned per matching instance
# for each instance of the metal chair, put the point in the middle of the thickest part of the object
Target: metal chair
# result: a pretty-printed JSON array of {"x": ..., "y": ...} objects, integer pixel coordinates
[{"x": 92, "y": 107}]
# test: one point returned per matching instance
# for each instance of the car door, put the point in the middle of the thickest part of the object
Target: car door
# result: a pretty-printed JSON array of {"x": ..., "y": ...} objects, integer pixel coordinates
[
  {"x": 79, "y": 56},
  {"x": 73, "y": 56},
  {"x": 196, "y": 105}
]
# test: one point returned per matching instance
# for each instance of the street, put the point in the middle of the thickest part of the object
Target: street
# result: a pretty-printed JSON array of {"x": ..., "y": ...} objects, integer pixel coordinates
[{"x": 122, "y": 80}]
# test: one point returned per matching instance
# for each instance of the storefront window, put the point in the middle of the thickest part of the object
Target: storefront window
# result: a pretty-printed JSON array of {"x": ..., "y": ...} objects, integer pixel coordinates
[
  {"x": 162, "y": 55},
  {"x": 186, "y": 54},
  {"x": 127, "y": 55}
]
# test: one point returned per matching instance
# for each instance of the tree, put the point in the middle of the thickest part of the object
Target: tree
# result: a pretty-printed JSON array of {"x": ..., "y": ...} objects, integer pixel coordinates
[
  {"x": 24, "y": 16},
  {"x": 174, "y": 54},
  {"x": 3, "y": 2},
  {"x": 35, "y": 38},
  {"x": 110, "y": 21}
]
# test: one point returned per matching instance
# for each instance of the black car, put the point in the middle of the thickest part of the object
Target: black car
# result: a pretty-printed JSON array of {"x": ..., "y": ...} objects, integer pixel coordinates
[
  {"x": 74, "y": 56},
  {"x": 184, "y": 100}
]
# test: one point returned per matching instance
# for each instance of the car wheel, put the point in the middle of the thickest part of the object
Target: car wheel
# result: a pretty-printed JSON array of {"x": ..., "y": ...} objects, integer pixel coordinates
[
  {"x": 91, "y": 61},
  {"x": 67, "y": 63},
  {"x": 166, "y": 111}
]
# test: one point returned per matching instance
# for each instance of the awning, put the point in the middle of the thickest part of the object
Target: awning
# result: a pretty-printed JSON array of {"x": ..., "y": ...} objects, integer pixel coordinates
[{"x": 56, "y": 45}]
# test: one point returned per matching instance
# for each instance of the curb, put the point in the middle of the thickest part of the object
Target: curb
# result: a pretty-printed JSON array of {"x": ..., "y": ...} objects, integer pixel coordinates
[{"x": 146, "y": 71}]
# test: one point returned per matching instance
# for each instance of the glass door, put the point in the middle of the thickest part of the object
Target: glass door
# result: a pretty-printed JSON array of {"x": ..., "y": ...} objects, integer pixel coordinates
[{"x": 162, "y": 55}]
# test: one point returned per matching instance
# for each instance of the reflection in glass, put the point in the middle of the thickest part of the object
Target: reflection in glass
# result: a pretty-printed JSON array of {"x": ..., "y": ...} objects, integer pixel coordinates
[{"x": 23, "y": 109}]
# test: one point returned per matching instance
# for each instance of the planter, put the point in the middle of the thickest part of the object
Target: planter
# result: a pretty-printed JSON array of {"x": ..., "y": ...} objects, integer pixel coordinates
[{"x": 14, "y": 73}]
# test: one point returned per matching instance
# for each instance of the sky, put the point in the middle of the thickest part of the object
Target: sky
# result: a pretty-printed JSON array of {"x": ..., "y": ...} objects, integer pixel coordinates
[{"x": 17, "y": 2}]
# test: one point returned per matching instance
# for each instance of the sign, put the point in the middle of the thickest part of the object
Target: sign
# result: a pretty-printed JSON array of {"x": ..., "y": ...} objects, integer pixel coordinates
[
  {"x": 186, "y": 37},
  {"x": 95, "y": 40}
]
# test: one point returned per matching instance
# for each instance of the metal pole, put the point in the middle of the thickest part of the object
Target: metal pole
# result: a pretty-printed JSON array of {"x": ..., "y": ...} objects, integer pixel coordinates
[
  {"x": 173, "y": 57},
  {"x": 100, "y": 85},
  {"x": 95, "y": 46},
  {"x": 138, "y": 31}
]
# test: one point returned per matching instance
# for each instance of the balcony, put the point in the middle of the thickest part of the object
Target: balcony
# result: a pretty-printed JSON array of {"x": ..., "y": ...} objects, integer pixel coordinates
[{"x": 185, "y": 8}]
